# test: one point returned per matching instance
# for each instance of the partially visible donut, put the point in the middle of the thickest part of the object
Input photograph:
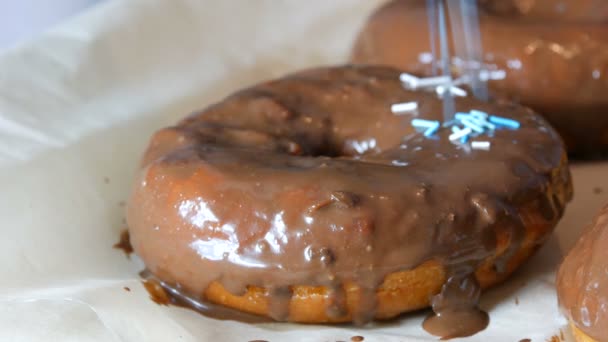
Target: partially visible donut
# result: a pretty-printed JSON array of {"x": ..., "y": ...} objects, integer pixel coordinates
[
  {"x": 582, "y": 282},
  {"x": 554, "y": 11},
  {"x": 559, "y": 70},
  {"x": 306, "y": 199}
]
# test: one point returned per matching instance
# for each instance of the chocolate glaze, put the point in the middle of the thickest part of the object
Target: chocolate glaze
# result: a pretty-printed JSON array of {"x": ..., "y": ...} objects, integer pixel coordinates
[
  {"x": 124, "y": 243},
  {"x": 559, "y": 70},
  {"x": 163, "y": 293},
  {"x": 582, "y": 280},
  {"x": 311, "y": 180}
]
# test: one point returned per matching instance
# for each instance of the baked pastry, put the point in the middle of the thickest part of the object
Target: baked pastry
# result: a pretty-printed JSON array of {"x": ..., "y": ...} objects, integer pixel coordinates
[
  {"x": 557, "y": 69},
  {"x": 582, "y": 282},
  {"x": 556, "y": 11},
  {"x": 307, "y": 199}
]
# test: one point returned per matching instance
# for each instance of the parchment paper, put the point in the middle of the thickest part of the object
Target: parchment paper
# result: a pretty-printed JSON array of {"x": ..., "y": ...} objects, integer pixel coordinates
[{"x": 77, "y": 107}]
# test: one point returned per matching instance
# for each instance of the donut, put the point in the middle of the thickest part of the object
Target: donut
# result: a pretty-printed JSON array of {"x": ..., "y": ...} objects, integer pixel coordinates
[
  {"x": 582, "y": 282},
  {"x": 306, "y": 199},
  {"x": 555, "y": 11},
  {"x": 559, "y": 70}
]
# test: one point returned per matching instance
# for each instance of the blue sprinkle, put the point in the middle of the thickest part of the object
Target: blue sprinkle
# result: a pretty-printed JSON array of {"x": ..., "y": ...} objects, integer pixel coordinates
[
  {"x": 461, "y": 116},
  {"x": 469, "y": 122},
  {"x": 449, "y": 123},
  {"x": 504, "y": 122},
  {"x": 482, "y": 122},
  {"x": 432, "y": 130},
  {"x": 464, "y": 139},
  {"x": 479, "y": 114},
  {"x": 424, "y": 123}
]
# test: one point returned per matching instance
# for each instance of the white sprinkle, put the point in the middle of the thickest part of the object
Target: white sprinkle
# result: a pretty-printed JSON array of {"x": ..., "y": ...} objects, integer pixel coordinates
[
  {"x": 486, "y": 75},
  {"x": 460, "y": 134},
  {"x": 433, "y": 81},
  {"x": 472, "y": 124},
  {"x": 480, "y": 145},
  {"x": 413, "y": 82},
  {"x": 410, "y": 81},
  {"x": 404, "y": 107},
  {"x": 425, "y": 58},
  {"x": 514, "y": 64},
  {"x": 453, "y": 89}
]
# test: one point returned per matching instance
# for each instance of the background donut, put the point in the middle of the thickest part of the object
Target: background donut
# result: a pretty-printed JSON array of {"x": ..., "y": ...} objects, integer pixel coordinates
[
  {"x": 550, "y": 11},
  {"x": 558, "y": 70}
]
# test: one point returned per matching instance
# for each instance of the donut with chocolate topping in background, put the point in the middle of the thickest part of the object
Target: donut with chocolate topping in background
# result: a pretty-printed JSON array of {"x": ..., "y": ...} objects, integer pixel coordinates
[
  {"x": 306, "y": 199},
  {"x": 559, "y": 70},
  {"x": 582, "y": 282},
  {"x": 555, "y": 11}
]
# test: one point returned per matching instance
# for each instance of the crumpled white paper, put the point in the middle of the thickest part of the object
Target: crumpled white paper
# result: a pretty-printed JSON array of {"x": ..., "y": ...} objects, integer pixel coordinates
[{"x": 77, "y": 107}]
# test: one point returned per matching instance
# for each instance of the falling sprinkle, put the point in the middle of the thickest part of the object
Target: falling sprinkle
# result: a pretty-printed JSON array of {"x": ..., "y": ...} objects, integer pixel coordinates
[
  {"x": 412, "y": 82},
  {"x": 441, "y": 89},
  {"x": 486, "y": 75}
]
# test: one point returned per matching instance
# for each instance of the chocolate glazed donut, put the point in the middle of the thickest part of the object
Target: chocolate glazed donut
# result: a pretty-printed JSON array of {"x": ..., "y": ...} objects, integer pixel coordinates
[
  {"x": 582, "y": 282},
  {"x": 305, "y": 199},
  {"x": 557, "y": 69},
  {"x": 555, "y": 11}
]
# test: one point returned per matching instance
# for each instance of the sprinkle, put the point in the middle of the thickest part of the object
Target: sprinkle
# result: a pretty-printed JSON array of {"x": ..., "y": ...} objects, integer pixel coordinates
[
  {"x": 410, "y": 81},
  {"x": 413, "y": 82},
  {"x": 480, "y": 145},
  {"x": 421, "y": 123},
  {"x": 486, "y": 75},
  {"x": 449, "y": 123},
  {"x": 433, "y": 81},
  {"x": 440, "y": 90},
  {"x": 461, "y": 133},
  {"x": 432, "y": 130},
  {"x": 404, "y": 107},
  {"x": 463, "y": 139},
  {"x": 478, "y": 114},
  {"x": 470, "y": 123},
  {"x": 460, "y": 115},
  {"x": 477, "y": 118},
  {"x": 504, "y": 122}
]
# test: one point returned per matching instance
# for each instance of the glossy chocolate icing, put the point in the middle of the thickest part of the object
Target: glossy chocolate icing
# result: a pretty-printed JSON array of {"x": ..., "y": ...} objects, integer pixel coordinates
[
  {"x": 582, "y": 280},
  {"x": 312, "y": 180},
  {"x": 559, "y": 70}
]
